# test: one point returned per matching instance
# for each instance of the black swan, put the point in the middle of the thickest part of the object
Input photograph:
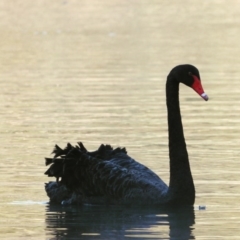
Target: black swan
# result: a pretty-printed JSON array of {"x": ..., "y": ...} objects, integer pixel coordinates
[{"x": 111, "y": 176}]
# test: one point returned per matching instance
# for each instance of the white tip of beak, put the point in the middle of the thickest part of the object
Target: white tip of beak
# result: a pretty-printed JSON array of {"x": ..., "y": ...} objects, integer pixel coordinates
[{"x": 204, "y": 96}]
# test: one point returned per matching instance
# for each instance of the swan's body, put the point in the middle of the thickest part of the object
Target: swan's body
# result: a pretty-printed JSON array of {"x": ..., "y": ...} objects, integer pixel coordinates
[{"x": 110, "y": 176}]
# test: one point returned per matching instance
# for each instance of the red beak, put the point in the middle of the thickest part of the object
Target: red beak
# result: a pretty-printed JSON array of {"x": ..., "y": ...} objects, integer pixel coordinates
[{"x": 197, "y": 86}]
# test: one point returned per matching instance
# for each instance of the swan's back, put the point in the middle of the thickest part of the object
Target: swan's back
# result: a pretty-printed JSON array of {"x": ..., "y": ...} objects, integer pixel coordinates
[{"x": 105, "y": 176}]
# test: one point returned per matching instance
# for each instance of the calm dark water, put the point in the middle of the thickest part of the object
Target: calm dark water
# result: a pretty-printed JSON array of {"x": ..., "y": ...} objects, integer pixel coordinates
[
  {"x": 95, "y": 72},
  {"x": 94, "y": 222}
]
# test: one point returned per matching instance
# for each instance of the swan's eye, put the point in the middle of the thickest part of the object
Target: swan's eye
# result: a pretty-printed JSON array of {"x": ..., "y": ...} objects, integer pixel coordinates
[{"x": 189, "y": 73}]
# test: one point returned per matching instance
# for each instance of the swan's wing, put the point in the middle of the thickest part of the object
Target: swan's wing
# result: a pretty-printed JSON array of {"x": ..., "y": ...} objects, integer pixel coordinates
[
  {"x": 120, "y": 157},
  {"x": 118, "y": 178}
]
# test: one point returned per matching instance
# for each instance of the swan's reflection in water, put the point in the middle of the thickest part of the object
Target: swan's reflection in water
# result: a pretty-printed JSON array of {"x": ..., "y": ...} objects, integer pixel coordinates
[{"x": 111, "y": 222}]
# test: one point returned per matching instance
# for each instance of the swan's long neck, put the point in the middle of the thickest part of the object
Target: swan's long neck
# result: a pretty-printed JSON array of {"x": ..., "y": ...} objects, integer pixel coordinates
[{"x": 181, "y": 187}]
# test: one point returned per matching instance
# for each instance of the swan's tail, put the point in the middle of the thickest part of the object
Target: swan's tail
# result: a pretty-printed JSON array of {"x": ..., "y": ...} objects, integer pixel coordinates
[
  {"x": 76, "y": 169},
  {"x": 104, "y": 152}
]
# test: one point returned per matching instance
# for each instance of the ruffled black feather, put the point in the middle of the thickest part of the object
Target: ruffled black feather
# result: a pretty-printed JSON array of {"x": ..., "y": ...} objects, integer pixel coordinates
[{"x": 74, "y": 165}]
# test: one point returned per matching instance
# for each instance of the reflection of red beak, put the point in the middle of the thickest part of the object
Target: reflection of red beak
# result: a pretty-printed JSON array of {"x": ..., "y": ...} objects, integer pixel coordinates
[{"x": 197, "y": 86}]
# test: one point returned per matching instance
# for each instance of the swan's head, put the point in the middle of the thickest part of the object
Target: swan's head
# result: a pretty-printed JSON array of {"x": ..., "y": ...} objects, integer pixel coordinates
[{"x": 189, "y": 75}]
